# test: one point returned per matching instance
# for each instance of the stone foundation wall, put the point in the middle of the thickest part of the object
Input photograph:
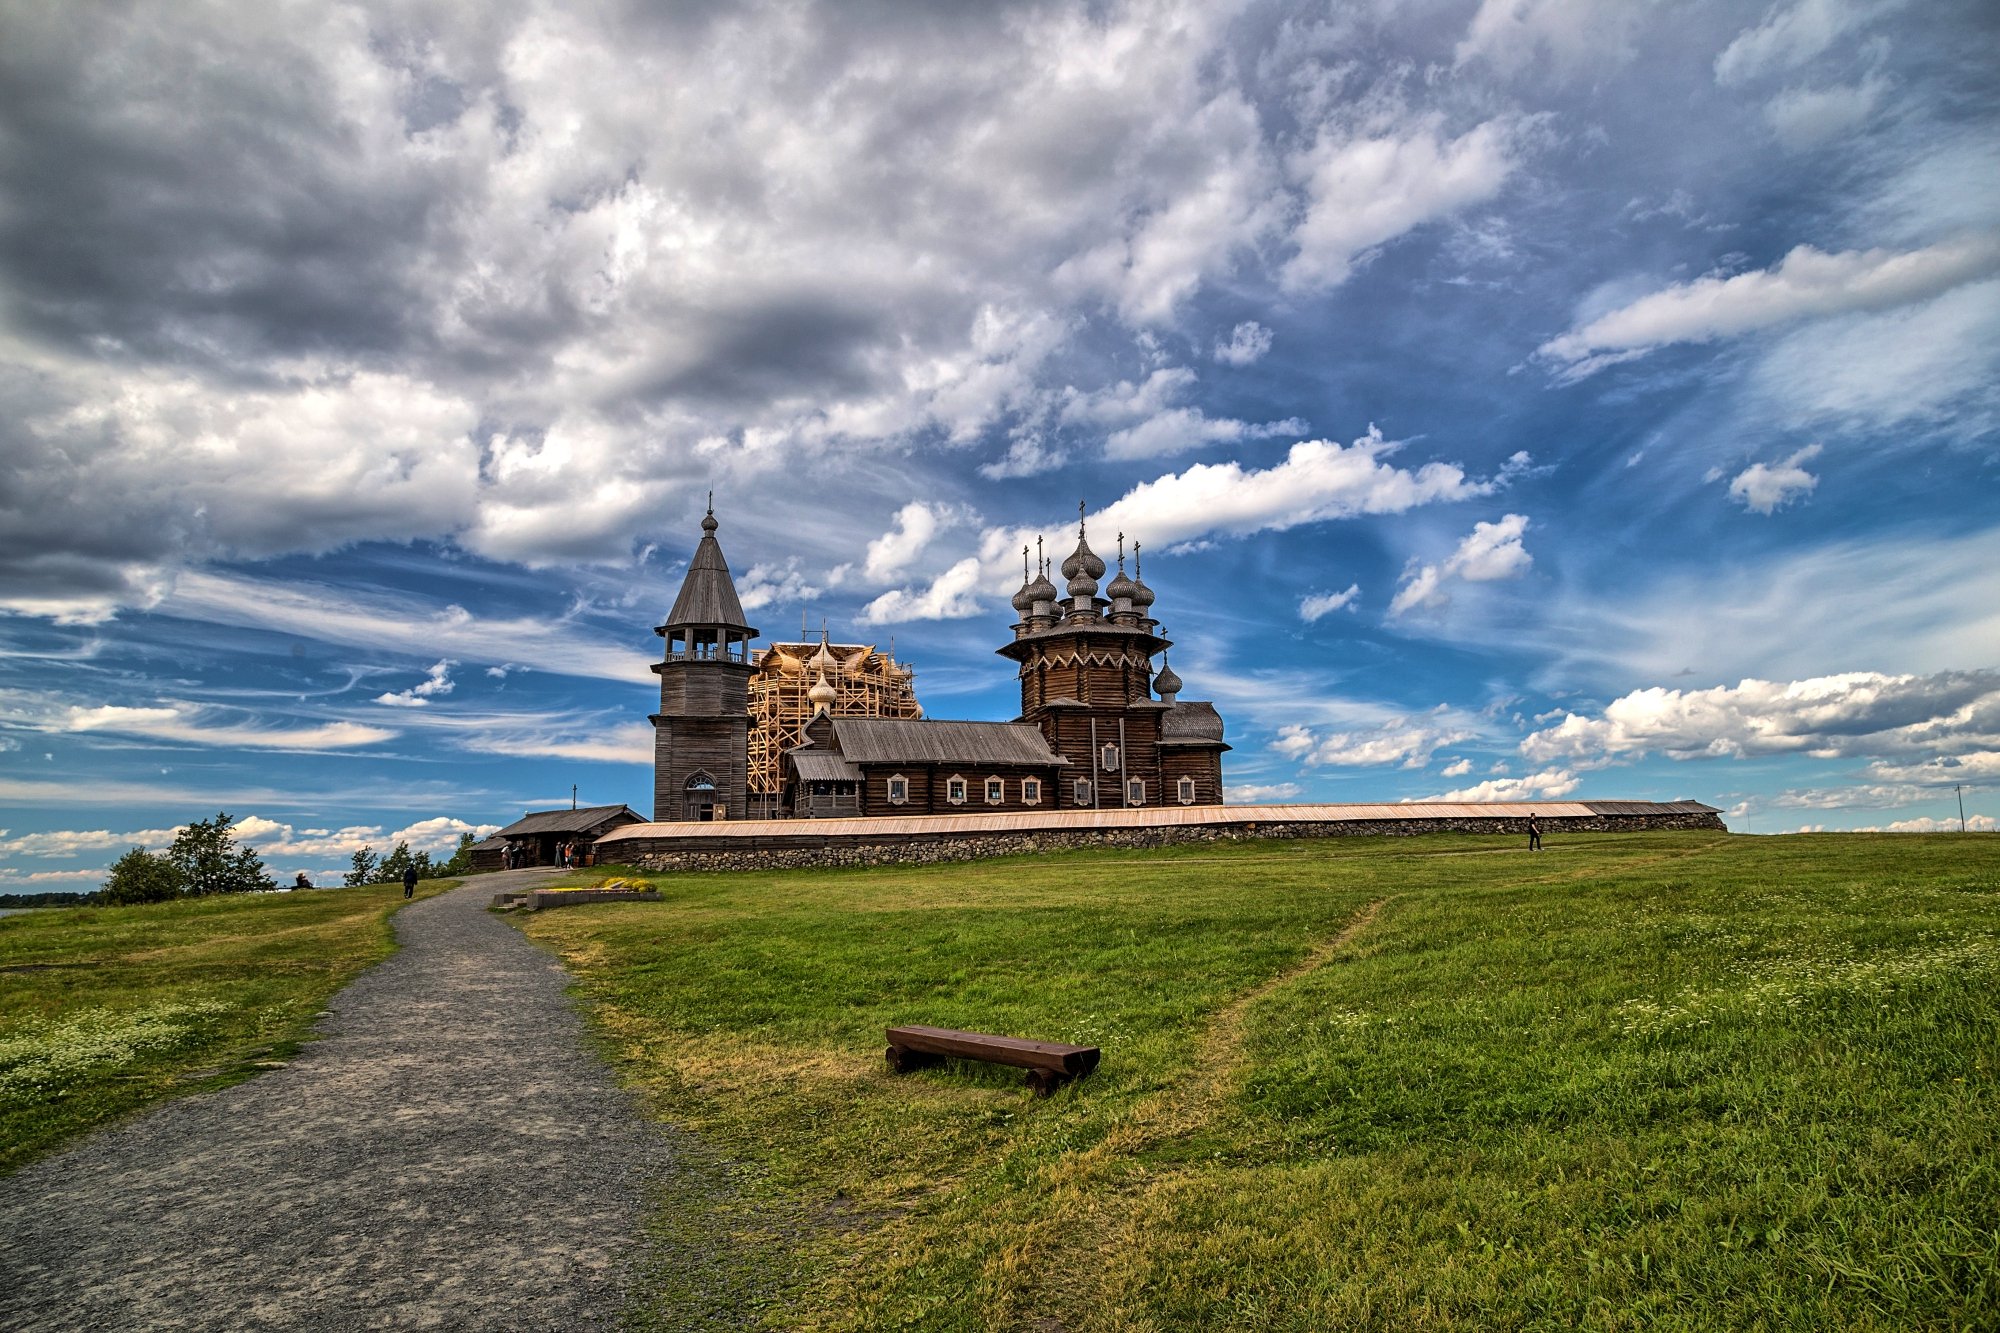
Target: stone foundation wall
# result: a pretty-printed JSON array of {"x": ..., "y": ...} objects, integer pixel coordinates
[{"x": 801, "y": 851}]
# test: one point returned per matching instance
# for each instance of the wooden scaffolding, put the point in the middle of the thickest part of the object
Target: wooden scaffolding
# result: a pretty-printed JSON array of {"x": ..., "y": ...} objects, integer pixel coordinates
[{"x": 863, "y": 682}]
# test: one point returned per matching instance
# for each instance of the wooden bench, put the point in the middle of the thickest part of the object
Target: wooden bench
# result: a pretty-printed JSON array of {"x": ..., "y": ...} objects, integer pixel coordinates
[{"x": 1050, "y": 1064}]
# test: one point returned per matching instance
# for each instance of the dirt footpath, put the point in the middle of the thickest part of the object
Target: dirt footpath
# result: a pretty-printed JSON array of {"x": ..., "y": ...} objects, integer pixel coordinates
[{"x": 449, "y": 1156}]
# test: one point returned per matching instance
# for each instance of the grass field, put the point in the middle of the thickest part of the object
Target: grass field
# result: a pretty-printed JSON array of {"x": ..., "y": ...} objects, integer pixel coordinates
[
  {"x": 104, "y": 1010},
  {"x": 1650, "y": 1081}
]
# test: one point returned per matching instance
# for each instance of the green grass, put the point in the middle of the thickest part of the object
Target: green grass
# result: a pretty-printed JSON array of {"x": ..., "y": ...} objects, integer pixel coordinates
[
  {"x": 1649, "y": 1081},
  {"x": 105, "y": 1010}
]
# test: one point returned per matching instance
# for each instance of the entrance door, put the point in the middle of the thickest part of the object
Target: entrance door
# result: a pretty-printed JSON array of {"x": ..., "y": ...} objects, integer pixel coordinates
[{"x": 700, "y": 799}]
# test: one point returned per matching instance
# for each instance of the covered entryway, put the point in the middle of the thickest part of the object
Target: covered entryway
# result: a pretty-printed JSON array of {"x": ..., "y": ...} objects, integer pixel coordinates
[{"x": 700, "y": 801}]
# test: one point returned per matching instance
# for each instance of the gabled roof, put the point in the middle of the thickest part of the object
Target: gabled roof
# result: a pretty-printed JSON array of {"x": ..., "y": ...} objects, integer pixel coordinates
[
  {"x": 708, "y": 594},
  {"x": 874, "y": 740},
  {"x": 587, "y": 820}
]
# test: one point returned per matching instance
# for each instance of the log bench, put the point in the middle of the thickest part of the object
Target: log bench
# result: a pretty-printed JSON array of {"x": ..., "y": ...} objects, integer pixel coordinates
[{"x": 1050, "y": 1064}]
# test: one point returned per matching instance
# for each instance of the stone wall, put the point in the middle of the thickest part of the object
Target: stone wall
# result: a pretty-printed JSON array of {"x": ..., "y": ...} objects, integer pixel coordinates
[{"x": 779, "y": 851}]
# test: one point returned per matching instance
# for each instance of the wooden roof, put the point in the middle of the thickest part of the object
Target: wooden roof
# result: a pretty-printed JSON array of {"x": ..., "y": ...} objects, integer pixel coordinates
[
  {"x": 881, "y": 740},
  {"x": 708, "y": 594},
  {"x": 587, "y": 819},
  {"x": 1152, "y": 817},
  {"x": 821, "y": 765}
]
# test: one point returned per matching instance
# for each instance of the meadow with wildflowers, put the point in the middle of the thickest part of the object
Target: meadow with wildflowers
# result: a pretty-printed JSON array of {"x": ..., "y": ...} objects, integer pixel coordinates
[{"x": 1682, "y": 1080}]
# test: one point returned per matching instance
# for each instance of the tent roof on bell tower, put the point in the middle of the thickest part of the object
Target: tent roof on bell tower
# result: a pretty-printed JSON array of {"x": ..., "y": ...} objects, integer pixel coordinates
[{"x": 708, "y": 594}]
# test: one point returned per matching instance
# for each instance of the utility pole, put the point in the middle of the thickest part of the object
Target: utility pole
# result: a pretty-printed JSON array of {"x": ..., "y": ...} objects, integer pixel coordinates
[
  {"x": 1960, "y": 789},
  {"x": 572, "y": 796}
]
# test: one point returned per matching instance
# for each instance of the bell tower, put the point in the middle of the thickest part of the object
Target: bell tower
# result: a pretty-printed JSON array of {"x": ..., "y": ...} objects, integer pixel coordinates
[{"x": 701, "y": 733}]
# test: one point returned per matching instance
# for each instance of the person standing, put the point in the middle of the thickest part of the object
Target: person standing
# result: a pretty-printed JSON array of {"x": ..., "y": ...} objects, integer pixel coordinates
[
  {"x": 1534, "y": 833},
  {"x": 409, "y": 881}
]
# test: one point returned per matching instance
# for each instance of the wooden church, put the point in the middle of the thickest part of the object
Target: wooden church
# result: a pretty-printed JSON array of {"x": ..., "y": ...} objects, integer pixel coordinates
[{"x": 1099, "y": 728}]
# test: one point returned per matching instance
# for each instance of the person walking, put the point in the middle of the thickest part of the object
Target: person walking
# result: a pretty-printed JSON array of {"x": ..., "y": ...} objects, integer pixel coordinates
[
  {"x": 409, "y": 881},
  {"x": 1534, "y": 833}
]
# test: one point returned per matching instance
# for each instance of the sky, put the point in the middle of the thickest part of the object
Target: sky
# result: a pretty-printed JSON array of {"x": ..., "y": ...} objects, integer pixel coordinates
[{"x": 1513, "y": 398}]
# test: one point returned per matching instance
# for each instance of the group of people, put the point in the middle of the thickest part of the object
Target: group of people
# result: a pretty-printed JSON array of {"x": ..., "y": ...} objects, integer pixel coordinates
[{"x": 516, "y": 855}]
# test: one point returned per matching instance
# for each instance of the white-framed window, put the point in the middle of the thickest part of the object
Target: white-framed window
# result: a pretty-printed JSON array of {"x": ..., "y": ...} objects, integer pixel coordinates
[
  {"x": 899, "y": 789},
  {"x": 1107, "y": 759},
  {"x": 1031, "y": 791},
  {"x": 996, "y": 790},
  {"x": 1187, "y": 791},
  {"x": 1135, "y": 791},
  {"x": 1083, "y": 791},
  {"x": 954, "y": 789}
]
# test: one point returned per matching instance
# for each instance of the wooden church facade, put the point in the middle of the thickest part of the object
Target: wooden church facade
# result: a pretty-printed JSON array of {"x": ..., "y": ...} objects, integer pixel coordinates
[{"x": 1099, "y": 728}]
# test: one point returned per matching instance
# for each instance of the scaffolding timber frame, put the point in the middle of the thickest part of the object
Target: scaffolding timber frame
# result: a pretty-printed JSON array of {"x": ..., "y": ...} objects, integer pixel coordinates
[{"x": 864, "y": 681}]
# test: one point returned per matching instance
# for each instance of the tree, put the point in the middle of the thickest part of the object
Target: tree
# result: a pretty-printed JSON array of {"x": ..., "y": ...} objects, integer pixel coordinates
[
  {"x": 461, "y": 859},
  {"x": 401, "y": 859},
  {"x": 209, "y": 861},
  {"x": 141, "y": 877},
  {"x": 364, "y": 869}
]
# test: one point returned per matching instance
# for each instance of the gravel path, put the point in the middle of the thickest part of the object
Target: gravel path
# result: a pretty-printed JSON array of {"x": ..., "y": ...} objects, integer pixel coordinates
[{"x": 450, "y": 1155}]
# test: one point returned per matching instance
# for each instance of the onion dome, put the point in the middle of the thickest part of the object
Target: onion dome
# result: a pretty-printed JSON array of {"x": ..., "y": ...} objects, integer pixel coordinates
[
  {"x": 1142, "y": 596},
  {"x": 1024, "y": 600},
  {"x": 824, "y": 661},
  {"x": 1166, "y": 684},
  {"x": 821, "y": 695},
  {"x": 1083, "y": 562},
  {"x": 1042, "y": 589}
]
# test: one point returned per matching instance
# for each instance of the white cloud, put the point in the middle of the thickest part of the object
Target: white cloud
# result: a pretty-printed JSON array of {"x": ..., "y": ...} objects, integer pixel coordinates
[
  {"x": 1026, "y": 456},
  {"x": 953, "y": 595},
  {"x": 1936, "y": 363},
  {"x": 1764, "y": 488},
  {"x": 1316, "y": 605},
  {"x": 1792, "y": 34},
  {"x": 1971, "y": 824},
  {"x": 1248, "y": 342},
  {"x": 1548, "y": 785},
  {"x": 1805, "y": 118},
  {"x": 1319, "y": 480},
  {"x": 1404, "y": 742},
  {"x": 897, "y": 549},
  {"x": 1180, "y": 429},
  {"x": 1573, "y": 34},
  {"x": 1364, "y": 191},
  {"x": 70, "y": 842},
  {"x": 1251, "y": 793},
  {"x": 765, "y": 585},
  {"x": 1490, "y": 552},
  {"x": 1806, "y": 283},
  {"x": 1457, "y": 768},
  {"x": 436, "y": 681},
  {"x": 1857, "y": 713},
  {"x": 193, "y": 724},
  {"x": 407, "y": 624}
]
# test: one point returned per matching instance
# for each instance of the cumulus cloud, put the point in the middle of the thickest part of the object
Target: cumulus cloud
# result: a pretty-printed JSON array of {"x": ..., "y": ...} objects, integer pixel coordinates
[
  {"x": 1806, "y": 283},
  {"x": 436, "y": 681},
  {"x": 1548, "y": 785},
  {"x": 1316, "y": 605},
  {"x": 952, "y": 595},
  {"x": 1926, "y": 824},
  {"x": 1457, "y": 768},
  {"x": 1248, "y": 342},
  {"x": 766, "y": 585},
  {"x": 897, "y": 549},
  {"x": 1856, "y": 713},
  {"x": 1364, "y": 190},
  {"x": 1764, "y": 488},
  {"x": 1491, "y": 551}
]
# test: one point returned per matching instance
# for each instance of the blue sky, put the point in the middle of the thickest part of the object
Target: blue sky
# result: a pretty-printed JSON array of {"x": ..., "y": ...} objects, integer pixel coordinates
[{"x": 1515, "y": 398}]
